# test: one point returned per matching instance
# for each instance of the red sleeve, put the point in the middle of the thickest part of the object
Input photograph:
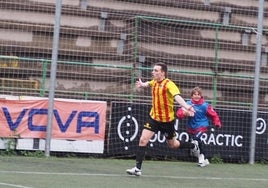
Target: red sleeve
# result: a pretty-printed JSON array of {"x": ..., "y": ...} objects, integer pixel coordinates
[
  {"x": 180, "y": 114},
  {"x": 212, "y": 114}
]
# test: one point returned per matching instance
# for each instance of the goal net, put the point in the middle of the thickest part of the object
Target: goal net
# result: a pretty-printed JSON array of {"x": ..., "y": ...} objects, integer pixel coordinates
[{"x": 106, "y": 45}]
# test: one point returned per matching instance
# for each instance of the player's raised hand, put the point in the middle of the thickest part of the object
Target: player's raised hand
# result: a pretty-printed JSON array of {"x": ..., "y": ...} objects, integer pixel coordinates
[{"x": 139, "y": 83}]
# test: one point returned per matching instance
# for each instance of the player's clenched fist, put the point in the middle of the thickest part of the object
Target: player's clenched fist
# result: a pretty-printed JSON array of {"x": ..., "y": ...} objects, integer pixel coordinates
[{"x": 188, "y": 112}]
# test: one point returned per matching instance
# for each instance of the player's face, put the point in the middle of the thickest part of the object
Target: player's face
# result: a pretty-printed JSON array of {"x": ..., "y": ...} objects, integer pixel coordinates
[
  {"x": 196, "y": 96},
  {"x": 157, "y": 73}
]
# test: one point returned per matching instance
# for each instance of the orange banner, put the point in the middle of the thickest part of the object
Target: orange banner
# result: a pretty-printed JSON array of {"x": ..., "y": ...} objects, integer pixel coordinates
[{"x": 73, "y": 120}]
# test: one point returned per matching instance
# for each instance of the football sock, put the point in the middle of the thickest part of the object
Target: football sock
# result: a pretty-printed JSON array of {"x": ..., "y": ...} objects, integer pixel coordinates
[{"x": 140, "y": 156}]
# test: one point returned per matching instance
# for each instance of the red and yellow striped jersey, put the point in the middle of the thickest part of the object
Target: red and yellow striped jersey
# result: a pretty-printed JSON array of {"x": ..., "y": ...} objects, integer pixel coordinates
[{"x": 163, "y": 100}]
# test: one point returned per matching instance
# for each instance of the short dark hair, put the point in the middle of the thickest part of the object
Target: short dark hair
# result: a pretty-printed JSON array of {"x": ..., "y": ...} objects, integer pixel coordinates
[{"x": 163, "y": 67}]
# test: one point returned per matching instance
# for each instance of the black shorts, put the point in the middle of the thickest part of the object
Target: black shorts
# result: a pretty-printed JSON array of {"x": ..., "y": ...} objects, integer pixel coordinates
[{"x": 166, "y": 128}]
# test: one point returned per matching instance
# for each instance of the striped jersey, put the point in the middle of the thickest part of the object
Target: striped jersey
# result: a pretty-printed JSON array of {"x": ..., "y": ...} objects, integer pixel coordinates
[{"x": 163, "y": 94}]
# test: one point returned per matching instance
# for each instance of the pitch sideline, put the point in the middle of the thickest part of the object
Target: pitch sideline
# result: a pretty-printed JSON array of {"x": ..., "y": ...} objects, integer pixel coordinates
[{"x": 122, "y": 175}]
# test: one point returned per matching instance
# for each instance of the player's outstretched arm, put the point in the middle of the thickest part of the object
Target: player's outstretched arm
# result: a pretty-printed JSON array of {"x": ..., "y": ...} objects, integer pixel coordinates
[
  {"x": 212, "y": 114},
  {"x": 188, "y": 108}
]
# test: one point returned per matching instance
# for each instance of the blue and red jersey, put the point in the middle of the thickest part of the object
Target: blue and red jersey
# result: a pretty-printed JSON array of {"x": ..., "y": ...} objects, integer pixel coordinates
[{"x": 200, "y": 121}]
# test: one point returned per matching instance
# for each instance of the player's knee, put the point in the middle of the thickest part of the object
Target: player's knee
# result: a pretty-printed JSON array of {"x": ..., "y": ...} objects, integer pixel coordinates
[
  {"x": 172, "y": 144},
  {"x": 143, "y": 142}
]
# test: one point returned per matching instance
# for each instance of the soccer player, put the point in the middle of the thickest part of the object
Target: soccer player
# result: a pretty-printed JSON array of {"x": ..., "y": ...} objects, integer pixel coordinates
[
  {"x": 197, "y": 124},
  {"x": 162, "y": 115}
]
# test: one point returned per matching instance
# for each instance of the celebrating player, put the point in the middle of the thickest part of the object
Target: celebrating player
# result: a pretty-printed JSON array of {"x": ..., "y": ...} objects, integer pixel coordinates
[
  {"x": 162, "y": 115},
  {"x": 197, "y": 124}
]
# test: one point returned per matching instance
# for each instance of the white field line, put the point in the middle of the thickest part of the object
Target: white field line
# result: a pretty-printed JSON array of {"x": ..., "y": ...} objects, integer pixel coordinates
[
  {"x": 13, "y": 185},
  {"x": 121, "y": 175}
]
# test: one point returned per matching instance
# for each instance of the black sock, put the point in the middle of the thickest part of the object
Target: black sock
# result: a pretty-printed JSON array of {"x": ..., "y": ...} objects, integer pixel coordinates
[{"x": 140, "y": 156}]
